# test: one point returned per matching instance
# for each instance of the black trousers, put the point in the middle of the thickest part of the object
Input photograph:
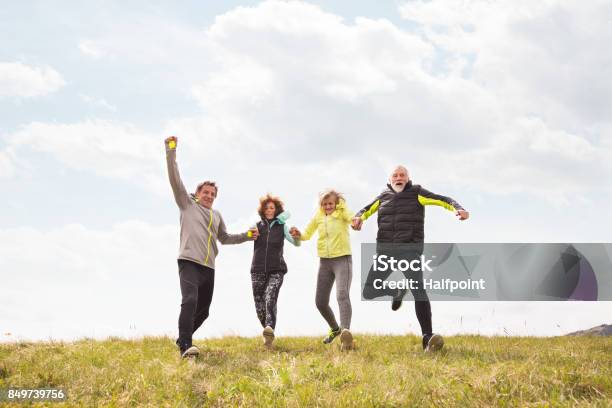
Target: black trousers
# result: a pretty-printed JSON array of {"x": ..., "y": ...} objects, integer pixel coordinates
[
  {"x": 197, "y": 285},
  {"x": 422, "y": 306}
]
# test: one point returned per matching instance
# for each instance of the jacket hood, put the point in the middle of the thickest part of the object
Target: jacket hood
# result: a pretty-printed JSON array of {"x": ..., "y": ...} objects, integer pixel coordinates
[
  {"x": 340, "y": 207},
  {"x": 281, "y": 218}
]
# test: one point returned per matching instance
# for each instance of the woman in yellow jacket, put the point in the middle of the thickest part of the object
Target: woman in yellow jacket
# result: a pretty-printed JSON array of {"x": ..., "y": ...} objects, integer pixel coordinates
[{"x": 332, "y": 222}]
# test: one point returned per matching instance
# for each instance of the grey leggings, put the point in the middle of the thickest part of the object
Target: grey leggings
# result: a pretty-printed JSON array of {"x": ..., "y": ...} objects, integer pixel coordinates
[{"x": 339, "y": 269}]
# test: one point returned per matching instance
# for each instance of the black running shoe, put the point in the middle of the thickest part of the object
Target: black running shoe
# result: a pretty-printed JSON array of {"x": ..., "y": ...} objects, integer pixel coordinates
[
  {"x": 432, "y": 343},
  {"x": 398, "y": 299},
  {"x": 191, "y": 352},
  {"x": 187, "y": 350}
]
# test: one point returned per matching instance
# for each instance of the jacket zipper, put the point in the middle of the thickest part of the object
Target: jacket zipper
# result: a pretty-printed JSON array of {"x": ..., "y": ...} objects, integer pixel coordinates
[
  {"x": 327, "y": 236},
  {"x": 266, "y": 256},
  {"x": 209, "y": 235}
]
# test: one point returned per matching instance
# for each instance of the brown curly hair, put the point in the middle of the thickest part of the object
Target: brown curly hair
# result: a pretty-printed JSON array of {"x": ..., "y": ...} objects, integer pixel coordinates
[{"x": 268, "y": 198}]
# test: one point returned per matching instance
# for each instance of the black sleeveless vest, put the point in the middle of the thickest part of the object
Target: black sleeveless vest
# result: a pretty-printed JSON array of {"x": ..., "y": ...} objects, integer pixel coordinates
[{"x": 268, "y": 248}]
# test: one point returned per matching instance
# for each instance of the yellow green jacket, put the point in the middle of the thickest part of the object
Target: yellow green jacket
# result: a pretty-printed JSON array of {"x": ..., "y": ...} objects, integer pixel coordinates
[{"x": 333, "y": 231}]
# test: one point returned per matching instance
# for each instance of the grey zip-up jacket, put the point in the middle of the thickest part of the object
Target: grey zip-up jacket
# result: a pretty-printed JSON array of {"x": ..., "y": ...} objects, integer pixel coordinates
[{"x": 200, "y": 226}]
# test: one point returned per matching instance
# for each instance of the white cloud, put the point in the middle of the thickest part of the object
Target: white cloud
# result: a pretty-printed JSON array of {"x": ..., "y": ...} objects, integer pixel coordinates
[
  {"x": 90, "y": 48},
  {"x": 24, "y": 81},
  {"x": 543, "y": 56},
  {"x": 143, "y": 40},
  {"x": 448, "y": 106},
  {"x": 105, "y": 148},
  {"x": 98, "y": 102},
  {"x": 290, "y": 84},
  {"x": 7, "y": 165}
]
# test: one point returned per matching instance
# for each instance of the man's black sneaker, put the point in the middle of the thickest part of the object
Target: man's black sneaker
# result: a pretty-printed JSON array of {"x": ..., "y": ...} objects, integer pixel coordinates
[
  {"x": 432, "y": 343},
  {"x": 191, "y": 352},
  {"x": 187, "y": 350},
  {"x": 397, "y": 299},
  {"x": 331, "y": 335}
]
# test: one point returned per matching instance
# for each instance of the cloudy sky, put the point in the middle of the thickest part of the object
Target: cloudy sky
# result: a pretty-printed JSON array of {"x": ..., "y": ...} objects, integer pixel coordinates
[{"x": 504, "y": 106}]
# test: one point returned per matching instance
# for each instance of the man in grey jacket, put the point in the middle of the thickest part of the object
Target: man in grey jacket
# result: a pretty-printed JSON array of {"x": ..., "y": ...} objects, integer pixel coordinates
[{"x": 201, "y": 227}]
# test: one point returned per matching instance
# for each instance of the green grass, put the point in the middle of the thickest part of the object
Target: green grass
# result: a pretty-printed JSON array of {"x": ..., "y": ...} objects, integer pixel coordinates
[{"x": 384, "y": 371}]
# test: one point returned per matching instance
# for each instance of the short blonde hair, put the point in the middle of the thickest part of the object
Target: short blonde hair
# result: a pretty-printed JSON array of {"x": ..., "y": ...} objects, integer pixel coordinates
[{"x": 328, "y": 193}]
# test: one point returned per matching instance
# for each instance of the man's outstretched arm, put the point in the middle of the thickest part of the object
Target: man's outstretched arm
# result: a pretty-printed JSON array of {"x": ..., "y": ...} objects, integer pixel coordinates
[
  {"x": 228, "y": 239},
  {"x": 365, "y": 213},
  {"x": 426, "y": 197},
  {"x": 178, "y": 189}
]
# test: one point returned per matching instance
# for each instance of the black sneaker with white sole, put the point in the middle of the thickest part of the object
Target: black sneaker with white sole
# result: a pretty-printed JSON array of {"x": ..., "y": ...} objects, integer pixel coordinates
[
  {"x": 432, "y": 343},
  {"x": 187, "y": 350},
  {"x": 191, "y": 352}
]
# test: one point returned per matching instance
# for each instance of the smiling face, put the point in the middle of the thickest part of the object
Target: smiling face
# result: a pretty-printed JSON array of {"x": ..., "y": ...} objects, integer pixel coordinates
[
  {"x": 399, "y": 178},
  {"x": 270, "y": 210},
  {"x": 206, "y": 195},
  {"x": 329, "y": 204}
]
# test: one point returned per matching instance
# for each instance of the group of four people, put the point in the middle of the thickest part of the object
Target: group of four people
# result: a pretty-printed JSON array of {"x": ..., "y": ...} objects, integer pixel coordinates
[{"x": 400, "y": 209}]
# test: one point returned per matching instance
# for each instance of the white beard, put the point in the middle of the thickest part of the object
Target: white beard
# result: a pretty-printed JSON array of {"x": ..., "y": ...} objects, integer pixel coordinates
[{"x": 397, "y": 189}]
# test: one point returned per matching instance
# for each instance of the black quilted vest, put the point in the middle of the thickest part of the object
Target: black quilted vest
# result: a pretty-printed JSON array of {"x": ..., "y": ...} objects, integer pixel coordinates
[
  {"x": 268, "y": 248},
  {"x": 401, "y": 217}
]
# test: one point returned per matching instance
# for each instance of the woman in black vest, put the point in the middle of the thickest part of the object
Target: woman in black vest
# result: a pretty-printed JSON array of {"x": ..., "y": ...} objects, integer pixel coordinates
[{"x": 268, "y": 267}]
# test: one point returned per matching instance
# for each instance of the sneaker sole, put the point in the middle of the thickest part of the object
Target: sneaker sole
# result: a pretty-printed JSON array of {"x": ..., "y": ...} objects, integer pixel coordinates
[
  {"x": 191, "y": 352},
  {"x": 435, "y": 343},
  {"x": 268, "y": 335},
  {"x": 346, "y": 338}
]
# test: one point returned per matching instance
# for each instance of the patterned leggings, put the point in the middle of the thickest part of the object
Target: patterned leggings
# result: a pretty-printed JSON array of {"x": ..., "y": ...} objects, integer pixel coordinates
[{"x": 265, "y": 294}]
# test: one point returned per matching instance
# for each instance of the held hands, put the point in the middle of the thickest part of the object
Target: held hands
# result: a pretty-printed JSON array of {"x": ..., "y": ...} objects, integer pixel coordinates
[
  {"x": 462, "y": 215},
  {"x": 171, "y": 142},
  {"x": 357, "y": 223},
  {"x": 295, "y": 233}
]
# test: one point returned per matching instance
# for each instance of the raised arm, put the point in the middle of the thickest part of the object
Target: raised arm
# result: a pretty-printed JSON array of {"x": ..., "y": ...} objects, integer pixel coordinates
[
  {"x": 178, "y": 189},
  {"x": 230, "y": 239}
]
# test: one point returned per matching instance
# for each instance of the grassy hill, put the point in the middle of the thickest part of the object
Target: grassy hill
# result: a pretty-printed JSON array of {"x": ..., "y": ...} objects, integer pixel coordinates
[{"x": 384, "y": 371}]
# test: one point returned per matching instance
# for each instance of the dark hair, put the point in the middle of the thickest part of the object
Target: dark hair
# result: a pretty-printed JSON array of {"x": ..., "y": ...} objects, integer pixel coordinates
[
  {"x": 268, "y": 198},
  {"x": 207, "y": 183}
]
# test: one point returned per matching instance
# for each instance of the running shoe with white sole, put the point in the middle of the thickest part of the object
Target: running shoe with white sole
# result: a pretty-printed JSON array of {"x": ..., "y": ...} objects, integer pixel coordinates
[
  {"x": 191, "y": 352},
  {"x": 346, "y": 340},
  {"x": 432, "y": 343},
  {"x": 268, "y": 336}
]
